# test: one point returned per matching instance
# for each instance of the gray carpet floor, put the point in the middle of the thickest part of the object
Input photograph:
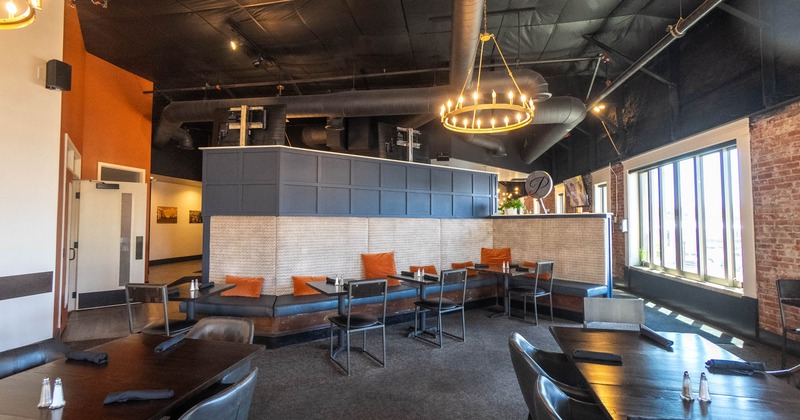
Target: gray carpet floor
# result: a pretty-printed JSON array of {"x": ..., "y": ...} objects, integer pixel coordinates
[{"x": 472, "y": 380}]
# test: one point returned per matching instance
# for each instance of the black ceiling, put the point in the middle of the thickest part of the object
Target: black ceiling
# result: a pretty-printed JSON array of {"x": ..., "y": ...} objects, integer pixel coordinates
[{"x": 183, "y": 46}]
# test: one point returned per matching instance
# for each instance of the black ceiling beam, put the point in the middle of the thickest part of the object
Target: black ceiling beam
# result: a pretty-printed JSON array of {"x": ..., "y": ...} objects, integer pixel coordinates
[
  {"x": 496, "y": 12},
  {"x": 626, "y": 59},
  {"x": 758, "y": 23}
]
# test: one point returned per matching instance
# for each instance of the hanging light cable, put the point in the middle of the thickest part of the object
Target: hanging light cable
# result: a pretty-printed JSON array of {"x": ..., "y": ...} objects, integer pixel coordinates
[{"x": 484, "y": 116}]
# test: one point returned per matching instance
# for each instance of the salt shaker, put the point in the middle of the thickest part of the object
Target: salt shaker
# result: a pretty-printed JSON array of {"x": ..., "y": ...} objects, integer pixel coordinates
[
  {"x": 45, "y": 395},
  {"x": 58, "y": 396},
  {"x": 686, "y": 390},
  {"x": 702, "y": 394}
]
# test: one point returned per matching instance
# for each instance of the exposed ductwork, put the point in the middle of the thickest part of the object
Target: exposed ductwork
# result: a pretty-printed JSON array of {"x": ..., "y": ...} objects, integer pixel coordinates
[
  {"x": 421, "y": 102},
  {"x": 558, "y": 115}
]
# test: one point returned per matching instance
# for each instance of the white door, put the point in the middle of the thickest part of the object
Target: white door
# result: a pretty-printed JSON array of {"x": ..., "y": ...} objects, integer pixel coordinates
[
  {"x": 112, "y": 229},
  {"x": 73, "y": 211}
]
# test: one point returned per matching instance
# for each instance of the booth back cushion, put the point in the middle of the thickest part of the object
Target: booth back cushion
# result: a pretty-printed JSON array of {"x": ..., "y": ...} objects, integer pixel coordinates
[
  {"x": 495, "y": 256},
  {"x": 300, "y": 286},
  {"x": 245, "y": 286},
  {"x": 470, "y": 272},
  {"x": 380, "y": 265},
  {"x": 427, "y": 269}
]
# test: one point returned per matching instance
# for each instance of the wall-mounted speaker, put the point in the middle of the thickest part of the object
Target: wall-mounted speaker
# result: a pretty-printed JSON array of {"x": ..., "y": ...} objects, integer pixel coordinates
[{"x": 59, "y": 75}]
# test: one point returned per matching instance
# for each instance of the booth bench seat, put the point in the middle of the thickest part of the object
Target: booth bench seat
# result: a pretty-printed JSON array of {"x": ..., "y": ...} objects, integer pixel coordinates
[
  {"x": 271, "y": 306},
  {"x": 577, "y": 288}
]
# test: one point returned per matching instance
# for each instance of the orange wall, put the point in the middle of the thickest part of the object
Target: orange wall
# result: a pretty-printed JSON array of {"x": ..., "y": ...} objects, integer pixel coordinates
[{"x": 117, "y": 121}]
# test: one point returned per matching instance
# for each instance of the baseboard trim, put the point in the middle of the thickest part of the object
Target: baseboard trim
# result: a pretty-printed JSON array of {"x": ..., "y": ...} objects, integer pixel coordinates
[{"x": 176, "y": 260}]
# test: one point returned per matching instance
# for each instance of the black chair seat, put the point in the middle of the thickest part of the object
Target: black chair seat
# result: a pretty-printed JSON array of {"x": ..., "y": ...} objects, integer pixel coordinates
[
  {"x": 434, "y": 304},
  {"x": 527, "y": 290},
  {"x": 356, "y": 321}
]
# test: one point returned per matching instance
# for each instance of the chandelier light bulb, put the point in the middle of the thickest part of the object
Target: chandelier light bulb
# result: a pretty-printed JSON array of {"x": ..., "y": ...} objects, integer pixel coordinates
[
  {"x": 475, "y": 97},
  {"x": 530, "y": 104},
  {"x": 460, "y": 101},
  {"x": 454, "y": 120},
  {"x": 506, "y": 119},
  {"x": 234, "y": 45},
  {"x": 492, "y": 121},
  {"x": 11, "y": 8},
  {"x": 519, "y": 117},
  {"x": 479, "y": 123},
  {"x": 465, "y": 122},
  {"x": 524, "y": 99},
  {"x": 494, "y": 97},
  {"x": 449, "y": 105},
  {"x": 510, "y": 97},
  {"x": 441, "y": 113}
]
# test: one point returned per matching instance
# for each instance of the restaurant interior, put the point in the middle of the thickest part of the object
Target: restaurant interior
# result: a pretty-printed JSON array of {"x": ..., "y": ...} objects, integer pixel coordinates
[{"x": 394, "y": 209}]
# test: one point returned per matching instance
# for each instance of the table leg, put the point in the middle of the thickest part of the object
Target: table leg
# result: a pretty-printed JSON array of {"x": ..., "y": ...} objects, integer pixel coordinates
[
  {"x": 423, "y": 316},
  {"x": 505, "y": 307},
  {"x": 190, "y": 310},
  {"x": 342, "y": 312}
]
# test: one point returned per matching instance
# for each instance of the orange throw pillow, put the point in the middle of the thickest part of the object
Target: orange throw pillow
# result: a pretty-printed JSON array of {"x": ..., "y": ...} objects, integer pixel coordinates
[
  {"x": 427, "y": 269},
  {"x": 300, "y": 286},
  {"x": 378, "y": 266},
  {"x": 245, "y": 286},
  {"x": 456, "y": 266},
  {"x": 495, "y": 256}
]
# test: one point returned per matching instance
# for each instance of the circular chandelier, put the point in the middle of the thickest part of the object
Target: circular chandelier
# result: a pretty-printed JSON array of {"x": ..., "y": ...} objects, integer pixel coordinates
[
  {"x": 483, "y": 116},
  {"x": 18, "y": 13}
]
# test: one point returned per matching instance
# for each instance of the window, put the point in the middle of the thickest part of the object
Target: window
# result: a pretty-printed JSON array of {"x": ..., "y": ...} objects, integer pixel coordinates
[
  {"x": 690, "y": 219},
  {"x": 560, "y": 203},
  {"x": 600, "y": 198}
]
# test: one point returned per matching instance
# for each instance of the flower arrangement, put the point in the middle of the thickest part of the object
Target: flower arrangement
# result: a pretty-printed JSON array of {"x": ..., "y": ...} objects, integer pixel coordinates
[{"x": 511, "y": 203}]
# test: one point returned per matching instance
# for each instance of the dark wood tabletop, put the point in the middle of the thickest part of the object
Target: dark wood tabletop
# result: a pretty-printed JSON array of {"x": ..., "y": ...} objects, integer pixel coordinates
[
  {"x": 327, "y": 289},
  {"x": 649, "y": 380},
  {"x": 188, "y": 368},
  {"x": 186, "y": 294}
]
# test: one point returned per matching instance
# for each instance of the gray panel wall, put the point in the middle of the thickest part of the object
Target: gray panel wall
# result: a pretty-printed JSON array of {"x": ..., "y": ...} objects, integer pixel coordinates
[{"x": 284, "y": 181}]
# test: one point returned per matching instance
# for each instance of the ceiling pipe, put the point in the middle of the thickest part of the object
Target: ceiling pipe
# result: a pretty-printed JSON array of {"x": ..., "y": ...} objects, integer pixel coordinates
[
  {"x": 674, "y": 32},
  {"x": 559, "y": 116}
]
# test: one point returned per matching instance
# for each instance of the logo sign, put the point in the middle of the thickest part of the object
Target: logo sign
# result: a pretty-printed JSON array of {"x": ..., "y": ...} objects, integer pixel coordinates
[{"x": 539, "y": 184}]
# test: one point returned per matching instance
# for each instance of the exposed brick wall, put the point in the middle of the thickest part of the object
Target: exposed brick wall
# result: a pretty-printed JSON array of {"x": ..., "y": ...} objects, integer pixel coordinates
[
  {"x": 775, "y": 154},
  {"x": 616, "y": 202}
]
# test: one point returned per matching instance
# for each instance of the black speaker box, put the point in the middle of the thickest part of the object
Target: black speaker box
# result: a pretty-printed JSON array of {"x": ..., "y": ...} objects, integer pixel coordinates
[{"x": 59, "y": 75}]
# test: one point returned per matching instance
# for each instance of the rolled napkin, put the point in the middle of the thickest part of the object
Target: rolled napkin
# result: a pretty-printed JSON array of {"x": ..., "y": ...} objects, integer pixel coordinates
[
  {"x": 206, "y": 285},
  {"x": 138, "y": 395},
  {"x": 330, "y": 280},
  {"x": 481, "y": 265},
  {"x": 172, "y": 342},
  {"x": 513, "y": 265},
  {"x": 596, "y": 356},
  {"x": 430, "y": 277},
  {"x": 523, "y": 269},
  {"x": 744, "y": 368},
  {"x": 95, "y": 357},
  {"x": 649, "y": 333},
  {"x": 407, "y": 273}
]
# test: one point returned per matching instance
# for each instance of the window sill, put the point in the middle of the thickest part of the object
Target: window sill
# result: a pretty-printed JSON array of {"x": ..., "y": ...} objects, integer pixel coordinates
[{"x": 730, "y": 291}]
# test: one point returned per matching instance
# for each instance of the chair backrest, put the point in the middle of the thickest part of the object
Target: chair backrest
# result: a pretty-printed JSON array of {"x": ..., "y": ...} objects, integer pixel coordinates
[
  {"x": 233, "y": 403},
  {"x": 544, "y": 275},
  {"x": 551, "y": 402},
  {"x": 23, "y": 358},
  {"x": 787, "y": 290},
  {"x": 370, "y": 291},
  {"x": 448, "y": 277},
  {"x": 613, "y": 313},
  {"x": 146, "y": 293},
  {"x": 526, "y": 369},
  {"x": 223, "y": 328}
]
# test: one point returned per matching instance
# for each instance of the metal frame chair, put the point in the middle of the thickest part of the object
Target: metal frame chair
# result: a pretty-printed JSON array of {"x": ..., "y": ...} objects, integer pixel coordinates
[
  {"x": 788, "y": 294},
  {"x": 357, "y": 322},
  {"x": 443, "y": 305},
  {"x": 612, "y": 313},
  {"x": 792, "y": 375},
  {"x": 529, "y": 288},
  {"x": 232, "y": 403},
  {"x": 154, "y": 293}
]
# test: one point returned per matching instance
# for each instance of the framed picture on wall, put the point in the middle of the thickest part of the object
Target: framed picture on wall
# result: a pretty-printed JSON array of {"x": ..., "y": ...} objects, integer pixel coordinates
[
  {"x": 166, "y": 214},
  {"x": 195, "y": 216}
]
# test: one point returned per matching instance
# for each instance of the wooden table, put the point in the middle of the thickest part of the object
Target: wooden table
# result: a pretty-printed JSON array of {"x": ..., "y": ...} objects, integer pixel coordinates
[
  {"x": 648, "y": 382},
  {"x": 188, "y": 369},
  {"x": 183, "y": 286},
  {"x": 421, "y": 283}
]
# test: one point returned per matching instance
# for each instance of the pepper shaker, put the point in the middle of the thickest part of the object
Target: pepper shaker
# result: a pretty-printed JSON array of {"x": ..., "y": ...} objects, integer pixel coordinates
[
  {"x": 45, "y": 397},
  {"x": 703, "y": 395}
]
